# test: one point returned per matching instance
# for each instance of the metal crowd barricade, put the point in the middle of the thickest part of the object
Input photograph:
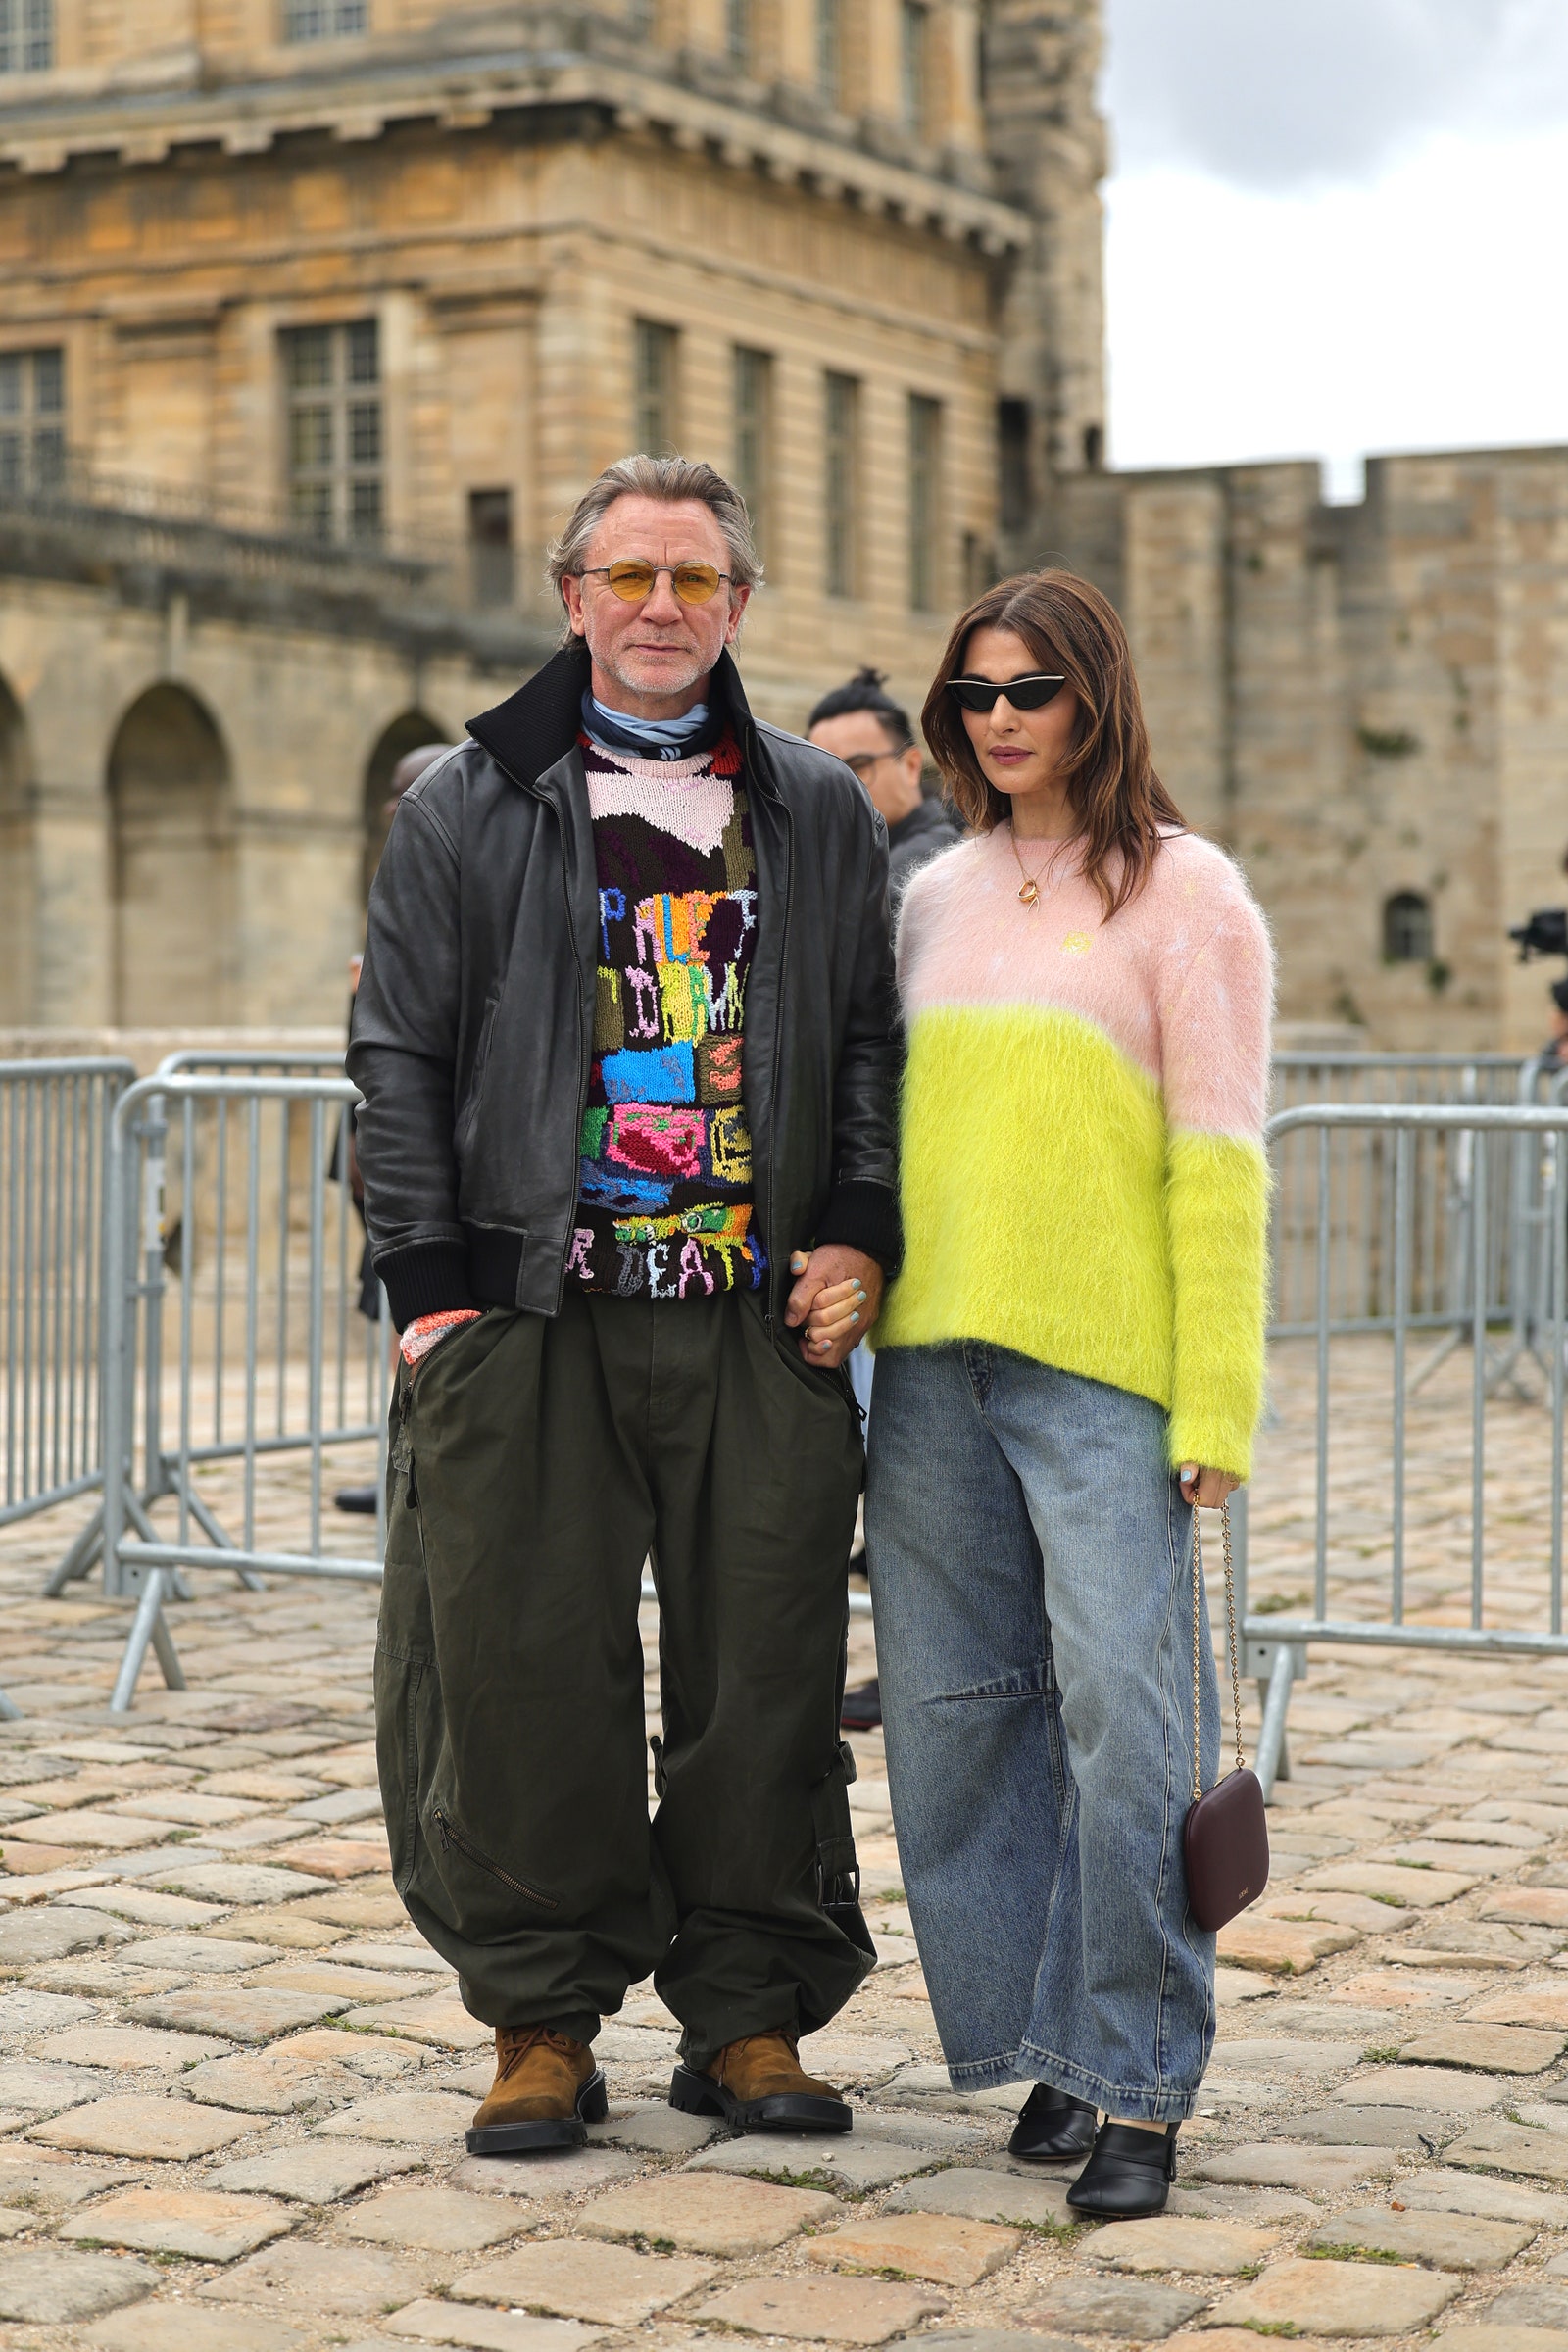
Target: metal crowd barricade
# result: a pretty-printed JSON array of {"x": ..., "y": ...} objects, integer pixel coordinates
[
  {"x": 54, "y": 1129},
  {"x": 234, "y": 1338},
  {"x": 1438, "y": 1173}
]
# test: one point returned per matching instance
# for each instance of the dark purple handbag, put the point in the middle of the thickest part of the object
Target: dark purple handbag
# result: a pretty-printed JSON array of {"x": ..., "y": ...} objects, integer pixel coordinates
[{"x": 1225, "y": 1836}]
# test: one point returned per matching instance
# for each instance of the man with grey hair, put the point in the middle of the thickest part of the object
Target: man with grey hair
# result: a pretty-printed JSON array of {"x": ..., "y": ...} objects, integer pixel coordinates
[{"x": 626, "y": 1039}]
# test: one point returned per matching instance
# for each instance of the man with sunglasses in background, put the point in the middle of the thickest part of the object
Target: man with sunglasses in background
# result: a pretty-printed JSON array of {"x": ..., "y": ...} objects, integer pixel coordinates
[
  {"x": 868, "y": 730},
  {"x": 627, "y": 1042}
]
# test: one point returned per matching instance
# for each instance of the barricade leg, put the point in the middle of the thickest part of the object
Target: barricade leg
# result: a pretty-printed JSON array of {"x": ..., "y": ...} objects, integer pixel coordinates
[
  {"x": 1271, "y": 1751},
  {"x": 80, "y": 1561},
  {"x": 10, "y": 1712},
  {"x": 148, "y": 1631}
]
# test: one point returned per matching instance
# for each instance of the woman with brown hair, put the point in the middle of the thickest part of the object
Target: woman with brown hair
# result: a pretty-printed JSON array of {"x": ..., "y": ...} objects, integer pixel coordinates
[{"x": 1071, "y": 1360}]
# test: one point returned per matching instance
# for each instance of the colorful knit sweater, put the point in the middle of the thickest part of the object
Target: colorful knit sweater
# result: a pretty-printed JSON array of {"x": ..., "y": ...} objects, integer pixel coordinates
[{"x": 1083, "y": 1170}]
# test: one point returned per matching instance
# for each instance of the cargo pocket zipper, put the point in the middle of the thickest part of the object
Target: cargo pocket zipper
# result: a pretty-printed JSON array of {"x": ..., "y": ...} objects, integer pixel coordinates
[{"x": 451, "y": 1836}]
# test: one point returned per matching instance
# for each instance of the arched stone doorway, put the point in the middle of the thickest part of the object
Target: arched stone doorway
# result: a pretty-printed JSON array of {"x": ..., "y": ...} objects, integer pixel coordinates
[
  {"x": 407, "y": 733},
  {"x": 174, "y": 855},
  {"x": 17, "y": 945}
]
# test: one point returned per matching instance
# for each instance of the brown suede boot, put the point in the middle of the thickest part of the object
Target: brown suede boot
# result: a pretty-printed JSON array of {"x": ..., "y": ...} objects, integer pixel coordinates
[
  {"x": 758, "y": 2084},
  {"x": 546, "y": 2094}
]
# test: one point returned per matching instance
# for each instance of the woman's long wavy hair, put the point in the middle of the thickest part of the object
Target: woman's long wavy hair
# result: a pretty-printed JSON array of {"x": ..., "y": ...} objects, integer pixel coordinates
[{"x": 1071, "y": 631}]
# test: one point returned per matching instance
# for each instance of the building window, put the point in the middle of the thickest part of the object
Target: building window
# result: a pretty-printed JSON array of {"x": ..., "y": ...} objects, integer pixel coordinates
[
  {"x": 490, "y": 548},
  {"x": 830, "y": 51},
  {"x": 32, "y": 419},
  {"x": 333, "y": 379},
  {"x": 752, "y": 463},
  {"x": 1014, "y": 490},
  {"x": 324, "y": 19},
  {"x": 926, "y": 502},
  {"x": 653, "y": 425},
  {"x": 27, "y": 37},
  {"x": 1094, "y": 447},
  {"x": 1407, "y": 928},
  {"x": 913, "y": 60},
  {"x": 841, "y": 481},
  {"x": 738, "y": 32}
]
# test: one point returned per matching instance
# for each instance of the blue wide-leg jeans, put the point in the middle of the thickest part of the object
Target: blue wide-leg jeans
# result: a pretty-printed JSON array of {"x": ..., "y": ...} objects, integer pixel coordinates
[{"x": 1030, "y": 1556}]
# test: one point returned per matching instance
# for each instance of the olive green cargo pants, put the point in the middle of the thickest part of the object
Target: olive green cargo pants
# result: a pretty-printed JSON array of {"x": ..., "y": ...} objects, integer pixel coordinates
[{"x": 536, "y": 1463}]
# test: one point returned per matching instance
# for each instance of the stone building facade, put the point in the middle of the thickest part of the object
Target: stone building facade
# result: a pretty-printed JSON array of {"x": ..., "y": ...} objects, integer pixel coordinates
[{"x": 320, "y": 313}]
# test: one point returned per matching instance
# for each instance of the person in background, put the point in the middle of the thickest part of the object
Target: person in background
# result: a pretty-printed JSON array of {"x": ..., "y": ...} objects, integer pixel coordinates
[
  {"x": 409, "y": 770},
  {"x": 865, "y": 728},
  {"x": 868, "y": 730}
]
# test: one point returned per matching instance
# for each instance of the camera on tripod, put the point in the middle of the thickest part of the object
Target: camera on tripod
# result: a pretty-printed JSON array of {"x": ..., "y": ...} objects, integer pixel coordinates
[{"x": 1545, "y": 934}]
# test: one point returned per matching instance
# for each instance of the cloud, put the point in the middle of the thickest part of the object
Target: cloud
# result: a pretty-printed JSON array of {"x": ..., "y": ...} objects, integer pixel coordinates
[{"x": 1318, "y": 92}]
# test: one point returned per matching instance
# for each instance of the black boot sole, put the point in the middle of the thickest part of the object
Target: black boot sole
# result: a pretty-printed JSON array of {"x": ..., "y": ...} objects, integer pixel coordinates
[
  {"x": 694, "y": 2093},
  {"x": 558, "y": 2132}
]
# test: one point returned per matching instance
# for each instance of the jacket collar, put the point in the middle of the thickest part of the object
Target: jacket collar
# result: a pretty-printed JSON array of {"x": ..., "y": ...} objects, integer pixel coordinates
[{"x": 538, "y": 726}]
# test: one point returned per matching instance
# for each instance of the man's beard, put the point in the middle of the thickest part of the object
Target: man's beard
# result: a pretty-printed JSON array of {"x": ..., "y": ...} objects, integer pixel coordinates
[{"x": 668, "y": 681}]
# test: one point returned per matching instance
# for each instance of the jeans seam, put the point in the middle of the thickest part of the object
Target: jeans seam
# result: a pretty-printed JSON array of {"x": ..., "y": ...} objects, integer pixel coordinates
[{"x": 1166, "y": 1645}]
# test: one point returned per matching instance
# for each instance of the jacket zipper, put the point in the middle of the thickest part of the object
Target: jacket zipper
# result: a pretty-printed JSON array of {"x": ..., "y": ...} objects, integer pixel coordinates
[
  {"x": 778, "y": 1033},
  {"x": 585, "y": 1060},
  {"x": 451, "y": 1836}
]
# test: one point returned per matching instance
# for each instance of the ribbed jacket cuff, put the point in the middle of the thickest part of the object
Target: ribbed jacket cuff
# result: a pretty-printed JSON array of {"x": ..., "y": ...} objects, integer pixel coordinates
[
  {"x": 865, "y": 1216},
  {"x": 429, "y": 1278}
]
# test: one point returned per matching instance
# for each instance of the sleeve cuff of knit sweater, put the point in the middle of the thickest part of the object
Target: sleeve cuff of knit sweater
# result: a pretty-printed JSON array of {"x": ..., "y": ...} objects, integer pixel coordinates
[{"x": 865, "y": 1216}]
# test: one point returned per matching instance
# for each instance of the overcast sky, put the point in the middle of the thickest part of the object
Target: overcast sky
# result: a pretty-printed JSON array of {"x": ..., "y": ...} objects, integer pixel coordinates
[{"x": 1336, "y": 226}]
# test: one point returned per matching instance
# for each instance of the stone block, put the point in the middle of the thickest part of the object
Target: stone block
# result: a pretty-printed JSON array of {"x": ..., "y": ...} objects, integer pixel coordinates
[
  {"x": 237, "y": 1881},
  {"x": 121, "y": 2046},
  {"x": 378, "y": 2057},
  {"x": 186, "y": 2327},
  {"x": 948, "y": 2249},
  {"x": 1534, "y": 1906},
  {"x": 1495, "y": 2049},
  {"x": 1479, "y": 2338},
  {"x": 561, "y": 2172},
  {"x": 205, "y": 1955},
  {"x": 275, "y": 2081},
  {"x": 1370, "y": 2128},
  {"x": 367, "y": 1905},
  {"x": 1446, "y": 2242},
  {"x": 467, "y": 2324},
  {"x": 657, "y": 2128},
  {"x": 234, "y": 2011},
  {"x": 1392, "y": 1882},
  {"x": 576, "y": 2281},
  {"x": 328, "y": 1979},
  {"x": 706, "y": 2213},
  {"x": 84, "y": 1827},
  {"x": 1449, "y": 2090},
  {"x": 51, "y": 2181},
  {"x": 315, "y": 2172},
  {"x": 1001, "y": 2339},
  {"x": 145, "y": 1905},
  {"x": 48, "y": 2287},
  {"x": 1534, "y": 2303},
  {"x": 1168, "y": 2241},
  {"x": 425, "y": 2119},
  {"x": 1275, "y": 2165},
  {"x": 834, "y": 2311},
  {"x": 1281, "y": 1947},
  {"x": 205, "y": 2224},
  {"x": 437, "y": 2221},
  {"x": 340, "y": 1857},
  {"x": 1337, "y": 2298},
  {"x": 844, "y": 2161},
  {"x": 1285, "y": 2054},
  {"x": 28, "y": 1938},
  {"x": 1448, "y": 1855},
  {"x": 1538, "y": 2005},
  {"x": 174, "y": 2130},
  {"x": 864, "y": 2060},
  {"x": 324, "y": 2277},
  {"x": 438, "y": 2019},
  {"x": 1441, "y": 2191},
  {"x": 980, "y": 2194},
  {"x": 1493, "y": 2146},
  {"x": 26, "y": 2011},
  {"x": 1128, "y": 2307},
  {"x": 1339, "y": 1910},
  {"x": 32, "y": 2086}
]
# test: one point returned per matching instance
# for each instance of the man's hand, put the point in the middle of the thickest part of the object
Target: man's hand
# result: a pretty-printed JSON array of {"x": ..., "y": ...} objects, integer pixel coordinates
[
  {"x": 837, "y": 1294},
  {"x": 1206, "y": 1489}
]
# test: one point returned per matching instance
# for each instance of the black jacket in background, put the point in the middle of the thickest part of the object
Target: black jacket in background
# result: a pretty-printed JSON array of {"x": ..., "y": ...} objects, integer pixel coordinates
[
  {"x": 472, "y": 1029},
  {"x": 916, "y": 840}
]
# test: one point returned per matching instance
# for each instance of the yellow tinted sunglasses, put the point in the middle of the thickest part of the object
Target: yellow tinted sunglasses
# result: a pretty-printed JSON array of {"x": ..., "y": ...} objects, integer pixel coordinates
[{"x": 693, "y": 583}]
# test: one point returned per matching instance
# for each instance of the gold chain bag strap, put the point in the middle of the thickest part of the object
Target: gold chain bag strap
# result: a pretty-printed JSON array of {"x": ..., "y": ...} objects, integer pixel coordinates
[{"x": 1225, "y": 1836}]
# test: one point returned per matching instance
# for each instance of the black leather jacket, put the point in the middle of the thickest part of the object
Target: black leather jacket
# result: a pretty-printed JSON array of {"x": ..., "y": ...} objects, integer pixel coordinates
[{"x": 472, "y": 1029}]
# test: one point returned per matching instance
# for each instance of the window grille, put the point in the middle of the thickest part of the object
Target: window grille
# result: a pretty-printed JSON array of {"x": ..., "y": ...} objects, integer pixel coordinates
[
  {"x": 738, "y": 30},
  {"x": 830, "y": 51},
  {"x": 753, "y": 434},
  {"x": 841, "y": 482},
  {"x": 925, "y": 501},
  {"x": 332, "y": 376},
  {"x": 1407, "y": 928},
  {"x": 913, "y": 60},
  {"x": 32, "y": 419},
  {"x": 27, "y": 37},
  {"x": 490, "y": 543},
  {"x": 654, "y": 423},
  {"x": 324, "y": 19}
]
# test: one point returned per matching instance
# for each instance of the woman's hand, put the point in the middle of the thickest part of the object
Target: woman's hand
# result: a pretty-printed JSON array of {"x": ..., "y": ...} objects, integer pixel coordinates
[
  {"x": 837, "y": 1295},
  {"x": 1207, "y": 1489}
]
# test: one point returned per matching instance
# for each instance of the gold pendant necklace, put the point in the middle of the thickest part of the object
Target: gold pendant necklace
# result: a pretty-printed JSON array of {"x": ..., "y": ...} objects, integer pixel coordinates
[{"x": 1029, "y": 888}]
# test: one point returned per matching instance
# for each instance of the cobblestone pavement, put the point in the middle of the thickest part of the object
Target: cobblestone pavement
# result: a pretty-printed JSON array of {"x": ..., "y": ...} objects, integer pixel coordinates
[{"x": 233, "y": 2082}]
